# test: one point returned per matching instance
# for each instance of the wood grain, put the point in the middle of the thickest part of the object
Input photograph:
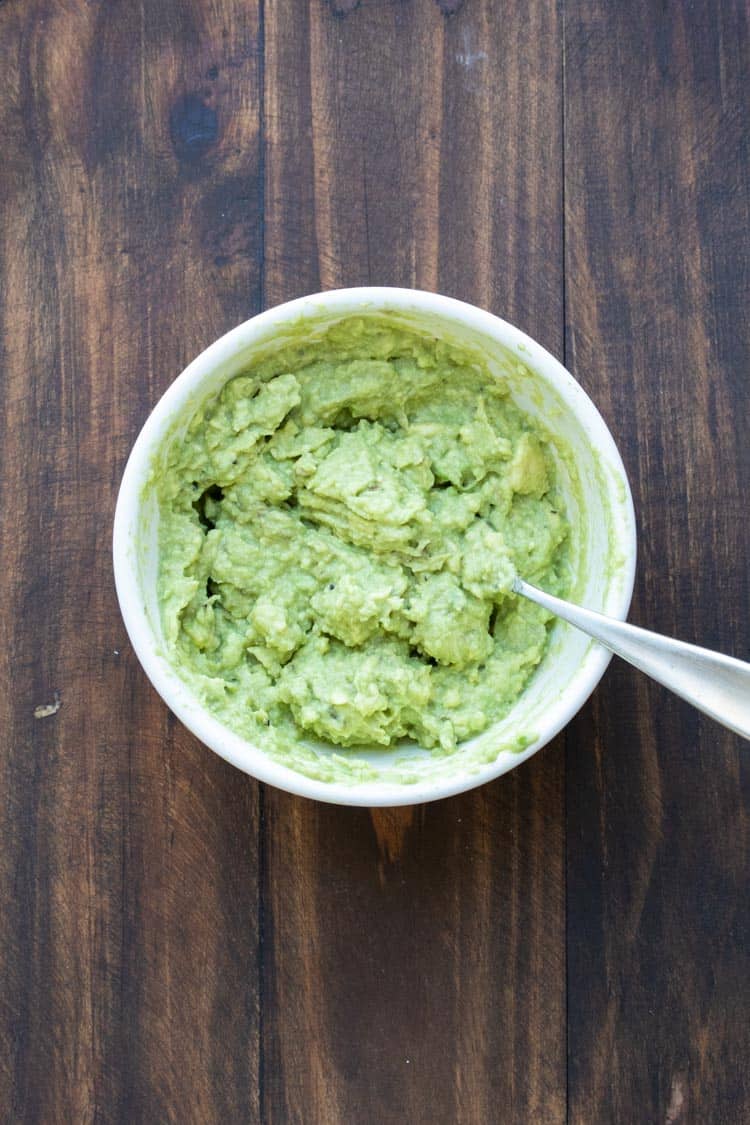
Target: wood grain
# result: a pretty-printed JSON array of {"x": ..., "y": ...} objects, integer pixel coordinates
[
  {"x": 657, "y": 266},
  {"x": 129, "y": 927},
  {"x": 421, "y": 950},
  {"x": 178, "y": 944}
]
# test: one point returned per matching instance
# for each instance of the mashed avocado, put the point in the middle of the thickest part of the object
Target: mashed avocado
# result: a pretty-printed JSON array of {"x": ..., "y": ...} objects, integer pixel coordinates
[{"x": 339, "y": 530}]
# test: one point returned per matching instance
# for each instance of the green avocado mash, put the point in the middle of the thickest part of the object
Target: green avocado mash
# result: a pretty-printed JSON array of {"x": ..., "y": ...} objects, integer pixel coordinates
[{"x": 339, "y": 531}]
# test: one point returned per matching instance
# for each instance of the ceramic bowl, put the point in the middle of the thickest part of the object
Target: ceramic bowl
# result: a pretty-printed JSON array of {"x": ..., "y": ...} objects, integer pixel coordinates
[{"x": 603, "y": 540}]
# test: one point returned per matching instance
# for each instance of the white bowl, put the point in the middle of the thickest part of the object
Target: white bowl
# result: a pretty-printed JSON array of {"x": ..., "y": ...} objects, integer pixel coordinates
[{"x": 599, "y": 508}]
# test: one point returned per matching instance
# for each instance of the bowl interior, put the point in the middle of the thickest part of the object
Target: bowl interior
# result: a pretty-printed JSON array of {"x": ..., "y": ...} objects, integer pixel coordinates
[{"x": 598, "y": 507}]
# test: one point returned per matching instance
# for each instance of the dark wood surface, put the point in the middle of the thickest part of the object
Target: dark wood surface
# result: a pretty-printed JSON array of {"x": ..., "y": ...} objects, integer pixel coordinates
[{"x": 179, "y": 944}]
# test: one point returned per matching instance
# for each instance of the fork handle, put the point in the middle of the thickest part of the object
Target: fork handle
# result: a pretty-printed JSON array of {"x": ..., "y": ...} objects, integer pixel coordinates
[{"x": 716, "y": 684}]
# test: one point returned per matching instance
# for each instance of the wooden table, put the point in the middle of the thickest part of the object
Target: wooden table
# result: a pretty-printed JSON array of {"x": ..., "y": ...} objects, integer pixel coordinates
[{"x": 180, "y": 944}]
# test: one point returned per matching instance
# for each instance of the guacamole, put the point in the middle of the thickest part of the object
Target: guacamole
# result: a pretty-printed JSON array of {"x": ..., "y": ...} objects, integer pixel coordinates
[{"x": 339, "y": 530}]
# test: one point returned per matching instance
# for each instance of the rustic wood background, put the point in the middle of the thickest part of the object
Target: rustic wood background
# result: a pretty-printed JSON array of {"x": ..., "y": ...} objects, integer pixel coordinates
[{"x": 179, "y": 944}]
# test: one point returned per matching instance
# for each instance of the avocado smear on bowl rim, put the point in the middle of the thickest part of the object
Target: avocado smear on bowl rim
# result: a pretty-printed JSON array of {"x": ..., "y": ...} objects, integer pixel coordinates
[{"x": 339, "y": 530}]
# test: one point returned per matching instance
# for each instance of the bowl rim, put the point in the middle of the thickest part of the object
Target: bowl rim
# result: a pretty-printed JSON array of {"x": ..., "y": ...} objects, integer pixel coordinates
[{"x": 176, "y": 694}]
